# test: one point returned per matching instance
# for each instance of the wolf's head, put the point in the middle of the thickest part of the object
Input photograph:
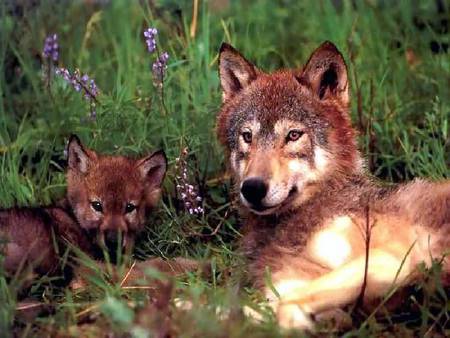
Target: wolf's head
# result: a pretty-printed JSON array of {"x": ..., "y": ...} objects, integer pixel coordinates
[
  {"x": 110, "y": 195},
  {"x": 287, "y": 132}
]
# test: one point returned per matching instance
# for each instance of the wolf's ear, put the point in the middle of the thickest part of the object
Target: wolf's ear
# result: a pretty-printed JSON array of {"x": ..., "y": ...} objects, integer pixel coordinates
[
  {"x": 153, "y": 169},
  {"x": 326, "y": 73},
  {"x": 78, "y": 157},
  {"x": 235, "y": 71}
]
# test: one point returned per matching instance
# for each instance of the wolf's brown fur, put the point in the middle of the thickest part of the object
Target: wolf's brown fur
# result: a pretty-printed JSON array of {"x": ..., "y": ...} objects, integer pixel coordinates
[
  {"x": 38, "y": 237},
  {"x": 29, "y": 237},
  {"x": 306, "y": 196}
]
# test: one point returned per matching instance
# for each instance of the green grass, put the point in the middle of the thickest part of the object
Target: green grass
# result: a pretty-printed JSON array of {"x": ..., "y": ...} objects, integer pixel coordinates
[{"x": 402, "y": 110}]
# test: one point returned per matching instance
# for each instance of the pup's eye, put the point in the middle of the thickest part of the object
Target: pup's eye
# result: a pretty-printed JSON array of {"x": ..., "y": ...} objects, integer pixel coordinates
[
  {"x": 247, "y": 136},
  {"x": 97, "y": 206},
  {"x": 294, "y": 135},
  {"x": 130, "y": 207}
]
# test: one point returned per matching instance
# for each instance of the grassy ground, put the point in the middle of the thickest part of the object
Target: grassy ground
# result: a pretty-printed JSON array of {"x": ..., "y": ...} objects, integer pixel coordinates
[{"x": 400, "y": 76}]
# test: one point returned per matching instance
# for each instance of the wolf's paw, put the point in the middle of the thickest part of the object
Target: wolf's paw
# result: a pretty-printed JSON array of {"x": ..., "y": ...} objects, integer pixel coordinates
[
  {"x": 291, "y": 316},
  {"x": 252, "y": 314}
]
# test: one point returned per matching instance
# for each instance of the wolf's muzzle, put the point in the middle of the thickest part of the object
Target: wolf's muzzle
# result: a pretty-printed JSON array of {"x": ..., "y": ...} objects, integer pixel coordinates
[{"x": 254, "y": 190}]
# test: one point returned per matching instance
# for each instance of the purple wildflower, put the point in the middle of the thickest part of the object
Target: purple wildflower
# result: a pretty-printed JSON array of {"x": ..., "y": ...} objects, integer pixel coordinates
[
  {"x": 150, "y": 39},
  {"x": 50, "y": 55},
  {"x": 159, "y": 68},
  {"x": 90, "y": 84},
  {"x": 51, "y": 48},
  {"x": 79, "y": 82},
  {"x": 187, "y": 192},
  {"x": 83, "y": 84}
]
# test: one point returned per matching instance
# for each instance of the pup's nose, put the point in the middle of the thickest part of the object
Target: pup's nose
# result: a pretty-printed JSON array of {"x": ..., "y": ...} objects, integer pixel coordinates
[
  {"x": 254, "y": 190},
  {"x": 112, "y": 238}
]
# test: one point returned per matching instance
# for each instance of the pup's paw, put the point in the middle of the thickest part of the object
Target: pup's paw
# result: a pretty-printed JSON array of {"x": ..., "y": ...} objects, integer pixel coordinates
[{"x": 291, "y": 316}]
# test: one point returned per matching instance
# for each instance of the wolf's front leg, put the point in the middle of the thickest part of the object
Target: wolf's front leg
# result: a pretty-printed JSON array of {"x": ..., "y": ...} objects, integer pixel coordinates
[{"x": 298, "y": 299}]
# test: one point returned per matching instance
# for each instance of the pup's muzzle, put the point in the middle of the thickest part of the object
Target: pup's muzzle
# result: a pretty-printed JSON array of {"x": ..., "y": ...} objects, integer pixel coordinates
[{"x": 114, "y": 241}]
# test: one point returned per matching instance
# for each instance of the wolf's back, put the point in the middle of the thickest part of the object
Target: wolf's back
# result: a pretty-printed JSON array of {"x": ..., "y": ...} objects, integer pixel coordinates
[{"x": 32, "y": 237}]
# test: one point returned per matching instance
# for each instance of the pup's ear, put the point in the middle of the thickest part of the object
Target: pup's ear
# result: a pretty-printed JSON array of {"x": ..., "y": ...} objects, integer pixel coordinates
[
  {"x": 326, "y": 74},
  {"x": 153, "y": 168},
  {"x": 235, "y": 71},
  {"x": 78, "y": 157}
]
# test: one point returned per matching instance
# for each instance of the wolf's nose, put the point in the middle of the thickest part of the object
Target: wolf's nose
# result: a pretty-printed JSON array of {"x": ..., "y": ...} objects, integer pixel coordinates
[{"x": 254, "y": 190}]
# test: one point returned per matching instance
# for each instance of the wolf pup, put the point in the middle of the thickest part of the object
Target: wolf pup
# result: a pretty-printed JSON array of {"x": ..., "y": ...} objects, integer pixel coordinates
[
  {"x": 306, "y": 197},
  {"x": 108, "y": 198}
]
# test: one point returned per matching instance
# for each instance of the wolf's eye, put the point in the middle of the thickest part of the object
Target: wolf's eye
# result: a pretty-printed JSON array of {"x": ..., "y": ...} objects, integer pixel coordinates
[
  {"x": 247, "y": 136},
  {"x": 97, "y": 206},
  {"x": 130, "y": 207},
  {"x": 294, "y": 135}
]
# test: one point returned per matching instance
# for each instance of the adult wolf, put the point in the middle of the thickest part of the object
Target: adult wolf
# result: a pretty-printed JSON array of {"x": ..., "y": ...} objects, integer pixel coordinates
[{"x": 306, "y": 197}]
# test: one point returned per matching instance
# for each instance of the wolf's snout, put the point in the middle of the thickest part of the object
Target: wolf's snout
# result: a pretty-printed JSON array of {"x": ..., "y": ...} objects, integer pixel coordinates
[{"x": 254, "y": 190}]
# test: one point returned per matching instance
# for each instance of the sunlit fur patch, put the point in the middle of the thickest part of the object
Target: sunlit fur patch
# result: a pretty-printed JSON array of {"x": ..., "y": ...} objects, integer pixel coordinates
[{"x": 331, "y": 246}]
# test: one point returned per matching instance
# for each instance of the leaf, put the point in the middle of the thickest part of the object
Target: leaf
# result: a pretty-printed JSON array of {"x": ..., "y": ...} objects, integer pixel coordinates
[{"x": 117, "y": 311}]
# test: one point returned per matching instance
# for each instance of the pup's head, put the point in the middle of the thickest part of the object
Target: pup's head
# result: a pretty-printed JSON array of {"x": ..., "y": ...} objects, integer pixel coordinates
[
  {"x": 111, "y": 195},
  {"x": 286, "y": 132}
]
